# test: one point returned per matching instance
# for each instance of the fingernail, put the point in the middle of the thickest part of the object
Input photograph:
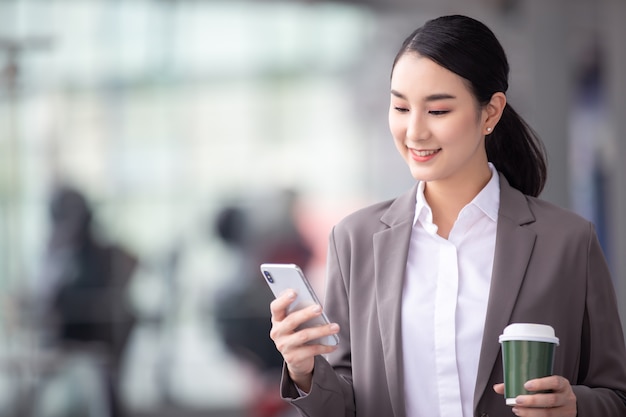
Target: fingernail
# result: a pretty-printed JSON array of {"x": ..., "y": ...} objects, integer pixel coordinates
[
  {"x": 529, "y": 385},
  {"x": 519, "y": 400},
  {"x": 291, "y": 294},
  {"x": 316, "y": 309},
  {"x": 515, "y": 410},
  {"x": 334, "y": 327}
]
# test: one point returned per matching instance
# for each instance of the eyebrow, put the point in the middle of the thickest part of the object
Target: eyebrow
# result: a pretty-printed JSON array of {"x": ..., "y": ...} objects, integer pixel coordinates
[{"x": 432, "y": 97}]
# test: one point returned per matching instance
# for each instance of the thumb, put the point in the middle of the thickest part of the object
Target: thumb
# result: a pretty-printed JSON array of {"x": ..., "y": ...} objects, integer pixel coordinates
[{"x": 499, "y": 388}]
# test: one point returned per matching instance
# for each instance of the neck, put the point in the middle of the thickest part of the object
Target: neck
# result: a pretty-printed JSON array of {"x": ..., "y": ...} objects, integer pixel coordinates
[{"x": 447, "y": 198}]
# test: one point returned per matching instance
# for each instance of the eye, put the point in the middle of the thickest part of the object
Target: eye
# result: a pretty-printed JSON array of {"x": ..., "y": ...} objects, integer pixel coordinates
[
  {"x": 438, "y": 112},
  {"x": 401, "y": 109}
]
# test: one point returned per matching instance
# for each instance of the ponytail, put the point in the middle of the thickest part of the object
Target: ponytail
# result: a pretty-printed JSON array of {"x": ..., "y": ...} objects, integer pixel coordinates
[{"x": 516, "y": 151}]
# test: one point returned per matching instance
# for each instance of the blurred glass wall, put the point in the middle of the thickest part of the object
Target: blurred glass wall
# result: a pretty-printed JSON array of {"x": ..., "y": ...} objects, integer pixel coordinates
[{"x": 161, "y": 112}]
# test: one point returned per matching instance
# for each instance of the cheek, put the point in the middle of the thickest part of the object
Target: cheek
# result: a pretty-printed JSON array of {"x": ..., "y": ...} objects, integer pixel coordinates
[
  {"x": 460, "y": 131},
  {"x": 396, "y": 133},
  {"x": 396, "y": 127}
]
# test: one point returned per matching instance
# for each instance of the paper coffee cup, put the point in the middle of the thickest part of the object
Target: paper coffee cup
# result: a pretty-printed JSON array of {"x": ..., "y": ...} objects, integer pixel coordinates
[{"x": 527, "y": 353}]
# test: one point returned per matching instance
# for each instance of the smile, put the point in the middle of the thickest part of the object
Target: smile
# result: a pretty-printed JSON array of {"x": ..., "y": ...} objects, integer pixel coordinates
[
  {"x": 423, "y": 155},
  {"x": 426, "y": 153}
]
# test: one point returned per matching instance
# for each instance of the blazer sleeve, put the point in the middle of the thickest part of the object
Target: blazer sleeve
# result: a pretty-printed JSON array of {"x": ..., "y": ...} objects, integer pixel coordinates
[
  {"x": 331, "y": 391},
  {"x": 602, "y": 375}
]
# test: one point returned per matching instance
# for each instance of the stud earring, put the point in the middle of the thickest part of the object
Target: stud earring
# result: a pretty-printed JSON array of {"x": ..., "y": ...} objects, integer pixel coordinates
[{"x": 489, "y": 129}]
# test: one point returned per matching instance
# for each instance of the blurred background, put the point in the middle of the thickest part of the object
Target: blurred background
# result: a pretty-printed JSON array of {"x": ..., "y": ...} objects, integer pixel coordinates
[{"x": 154, "y": 152}]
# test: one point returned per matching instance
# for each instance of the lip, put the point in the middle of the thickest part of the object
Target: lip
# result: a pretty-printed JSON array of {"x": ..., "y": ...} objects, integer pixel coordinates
[{"x": 431, "y": 153}]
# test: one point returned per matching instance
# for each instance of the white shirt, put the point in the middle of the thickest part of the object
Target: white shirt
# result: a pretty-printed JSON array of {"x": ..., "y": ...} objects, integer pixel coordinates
[{"x": 444, "y": 305}]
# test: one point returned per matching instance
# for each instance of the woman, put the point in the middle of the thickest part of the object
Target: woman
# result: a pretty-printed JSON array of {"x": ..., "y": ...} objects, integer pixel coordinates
[{"x": 420, "y": 287}]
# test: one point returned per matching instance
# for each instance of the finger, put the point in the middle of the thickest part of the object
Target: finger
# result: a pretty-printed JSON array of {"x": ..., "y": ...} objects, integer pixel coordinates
[
  {"x": 296, "y": 348},
  {"x": 295, "y": 340},
  {"x": 279, "y": 305},
  {"x": 499, "y": 388},
  {"x": 543, "y": 401},
  {"x": 301, "y": 352},
  {"x": 551, "y": 383},
  {"x": 550, "y": 392},
  {"x": 311, "y": 334},
  {"x": 294, "y": 320}
]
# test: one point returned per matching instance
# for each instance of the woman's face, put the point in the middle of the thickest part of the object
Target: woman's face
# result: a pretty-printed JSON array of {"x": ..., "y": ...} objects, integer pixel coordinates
[{"x": 436, "y": 122}]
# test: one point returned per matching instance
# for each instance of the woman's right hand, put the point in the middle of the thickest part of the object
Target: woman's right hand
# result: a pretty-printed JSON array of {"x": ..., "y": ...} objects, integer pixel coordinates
[{"x": 292, "y": 344}]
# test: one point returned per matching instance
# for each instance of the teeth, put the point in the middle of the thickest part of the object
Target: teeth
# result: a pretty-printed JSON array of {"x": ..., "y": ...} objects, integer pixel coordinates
[{"x": 425, "y": 153}]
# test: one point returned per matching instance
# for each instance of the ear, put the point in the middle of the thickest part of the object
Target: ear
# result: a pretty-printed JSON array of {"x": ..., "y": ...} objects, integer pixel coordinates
[{"x": 492, "y": 112}]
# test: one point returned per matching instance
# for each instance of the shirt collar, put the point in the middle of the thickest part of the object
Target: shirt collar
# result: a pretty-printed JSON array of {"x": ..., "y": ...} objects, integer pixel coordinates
[
  {"x": 487, "y": 200},
  {"x": 422, "y": 209}
]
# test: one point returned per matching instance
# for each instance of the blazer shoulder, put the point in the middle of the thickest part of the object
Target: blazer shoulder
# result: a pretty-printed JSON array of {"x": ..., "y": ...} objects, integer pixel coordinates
[
  {"x": 547, "y": 213},
  {"x": 558, "y": 225},
  {"x": 537, "y": 213},
  {"x": 366, "y": 218},
  {"x": 379, "y": 216}
]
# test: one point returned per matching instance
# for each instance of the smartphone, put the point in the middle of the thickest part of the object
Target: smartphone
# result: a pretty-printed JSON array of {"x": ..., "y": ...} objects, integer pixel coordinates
[{"x": 281, "y": 277}]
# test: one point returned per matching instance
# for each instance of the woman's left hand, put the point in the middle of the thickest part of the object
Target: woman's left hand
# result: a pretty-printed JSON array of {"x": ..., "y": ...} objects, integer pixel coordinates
[{"x": 560, "y": 401}]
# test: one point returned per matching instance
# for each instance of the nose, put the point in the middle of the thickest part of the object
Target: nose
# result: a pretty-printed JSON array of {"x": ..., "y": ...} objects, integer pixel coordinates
[{"x": 417, "y": 128}]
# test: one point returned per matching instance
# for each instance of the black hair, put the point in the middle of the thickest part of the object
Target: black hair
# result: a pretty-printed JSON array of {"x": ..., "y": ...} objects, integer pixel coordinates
[{"x": 470, "y": 49}]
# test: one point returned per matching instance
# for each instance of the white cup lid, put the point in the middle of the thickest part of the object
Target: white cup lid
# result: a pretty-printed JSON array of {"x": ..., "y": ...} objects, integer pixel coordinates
[{"x": 529, "y": 331}]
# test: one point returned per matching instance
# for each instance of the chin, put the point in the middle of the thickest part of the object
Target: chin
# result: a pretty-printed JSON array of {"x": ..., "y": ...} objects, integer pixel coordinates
[
  {"x": 421, "y": 176},
  {"x": 419, "y": 172}
]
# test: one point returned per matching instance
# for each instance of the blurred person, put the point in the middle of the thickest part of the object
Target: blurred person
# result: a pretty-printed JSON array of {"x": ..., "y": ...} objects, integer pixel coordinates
[
  {"x": 591, "y": 160},
  {"x": 421, "y": 286},
  {"x": 258, "y": 229},
  {"x": 83, "y": 300}
]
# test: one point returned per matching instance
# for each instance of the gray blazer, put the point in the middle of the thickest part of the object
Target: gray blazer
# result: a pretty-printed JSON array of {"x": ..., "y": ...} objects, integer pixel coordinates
[{"x": 548, "y": 268}]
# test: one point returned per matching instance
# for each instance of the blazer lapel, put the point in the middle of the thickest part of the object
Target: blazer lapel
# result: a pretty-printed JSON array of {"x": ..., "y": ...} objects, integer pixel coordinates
[
  {"x": 514, "y": 245},
  {"x": 390, "y": 255}
]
